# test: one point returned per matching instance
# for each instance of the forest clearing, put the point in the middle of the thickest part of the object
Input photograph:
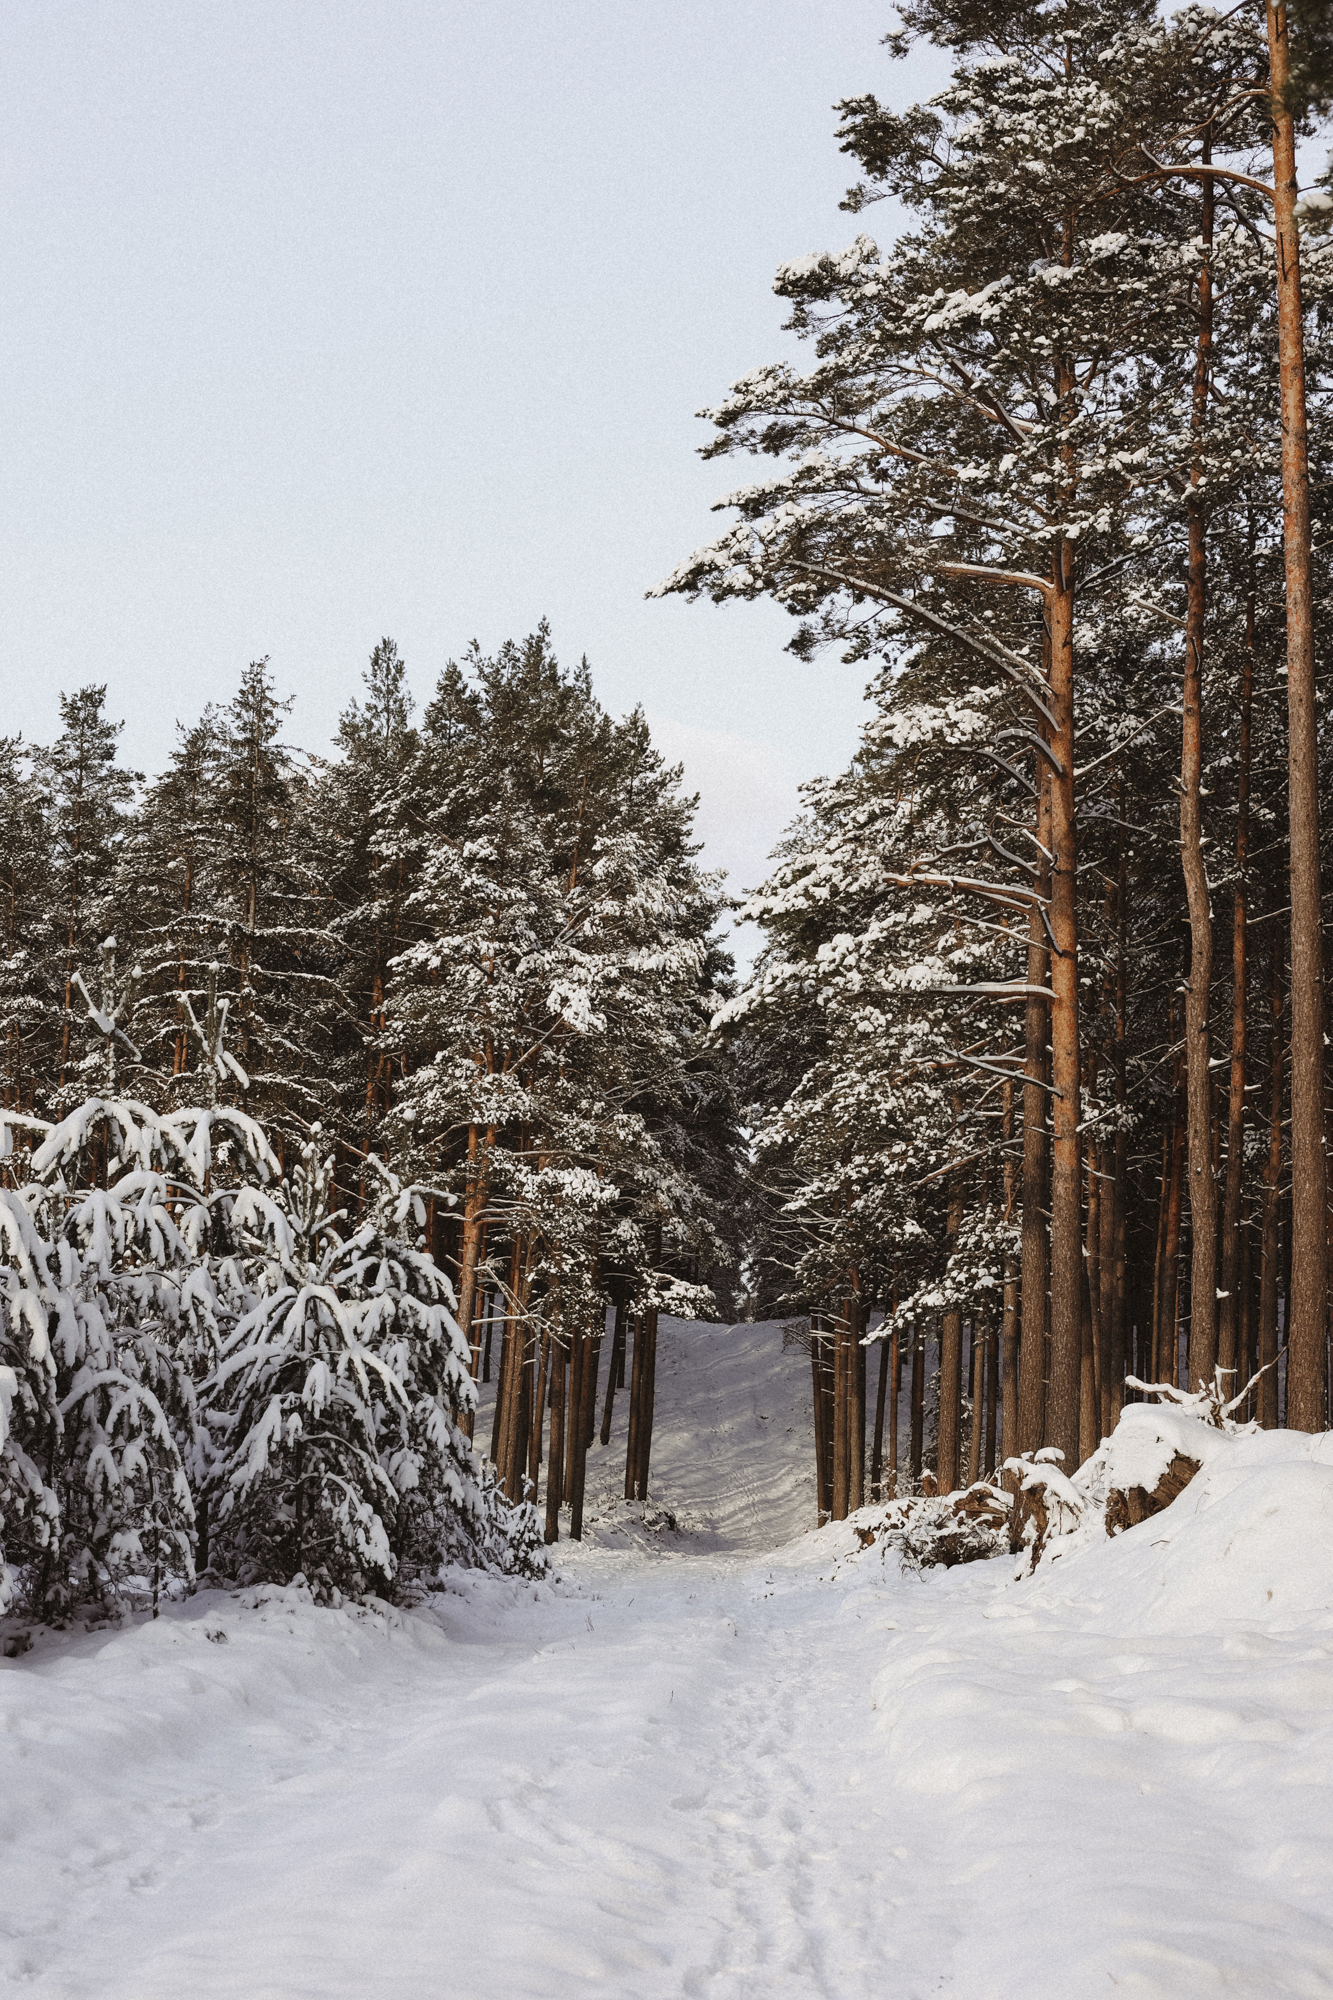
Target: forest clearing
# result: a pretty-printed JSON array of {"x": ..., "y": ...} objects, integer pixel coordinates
[{"x": 728, "y": 1759}]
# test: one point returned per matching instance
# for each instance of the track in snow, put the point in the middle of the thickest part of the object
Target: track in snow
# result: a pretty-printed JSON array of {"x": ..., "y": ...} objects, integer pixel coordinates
[{"x": 666, "y": 1775}]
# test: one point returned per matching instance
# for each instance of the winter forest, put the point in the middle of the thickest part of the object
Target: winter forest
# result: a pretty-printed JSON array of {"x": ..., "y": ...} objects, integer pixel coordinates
[{"x": 803, "y": 1473}]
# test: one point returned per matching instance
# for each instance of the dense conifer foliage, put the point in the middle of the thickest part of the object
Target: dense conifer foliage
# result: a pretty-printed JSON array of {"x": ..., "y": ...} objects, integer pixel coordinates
[
  {"x": 318, "y": 1071},
  {"x": 1041, "y": 993}
]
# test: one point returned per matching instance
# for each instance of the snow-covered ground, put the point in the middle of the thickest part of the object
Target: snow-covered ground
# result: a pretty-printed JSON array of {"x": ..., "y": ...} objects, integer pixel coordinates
[{"x": 733, "y": 1759}]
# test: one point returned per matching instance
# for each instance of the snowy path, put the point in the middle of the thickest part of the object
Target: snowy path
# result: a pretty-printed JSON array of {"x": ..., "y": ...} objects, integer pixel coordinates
[{"x": 669, "y": 1776}]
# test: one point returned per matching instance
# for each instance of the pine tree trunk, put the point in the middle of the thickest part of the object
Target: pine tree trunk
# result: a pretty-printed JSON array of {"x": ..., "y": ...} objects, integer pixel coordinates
[
  {"x": 1036, "y": 1261},
  {"x": 649, "y": 1389},
  {"x": 539, "y": 1403},
  {"x": 1166, "y": 1343},
  {"x": 474, "y": 1233},
  {"x": 1229, "y": 1316},
  {"x": 856, "y": 1407},
  {"x": 1272, "y": 1196},
  {"x": 581, "y": 1432},
  {"x": 1067, "y": 1273},
  {"x": 1307, "y": 1308},
  {"x": 918, "y": 1405},
  {"x": 841, "y": 1467},
  {"x": 978, "y": 1404},
  {"x": 590, "y": 1399},
  {"x": 1107, "y": 1381},
  {"x": 635, "y": 1407},
  {"x": 1009, "y": 1319},
  {"x": 1242, "y": 1372},
  {"x": 1094, "y": 1270},
  {"x": 578, "y": 1359},
  {"x": 877, "y": 1447},
  {"x": 823, "y": 1427},
  {"x": 1088, "y": 1436},
  {"x": 555, "y": 1469},
  {"x": 992, "y": 1361},
  {"x": 1198, "y": 1078},
  {"x": 895, "y": 1380},
  {"x": 514, "y": 1401},
  {"x": 1119, "y": 1191},
  {"x": 951, "y": 1357},
  {"x": 615, "y": 1374}
]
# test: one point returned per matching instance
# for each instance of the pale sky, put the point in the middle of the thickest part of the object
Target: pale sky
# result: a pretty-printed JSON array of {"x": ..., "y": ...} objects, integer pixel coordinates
[{"x": 330, "y": 321}]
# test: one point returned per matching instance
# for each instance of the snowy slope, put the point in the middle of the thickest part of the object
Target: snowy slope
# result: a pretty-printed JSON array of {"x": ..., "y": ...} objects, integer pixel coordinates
[
  {"x": 733, "y": 1459},
  {"x": 697, "y": 1766}
]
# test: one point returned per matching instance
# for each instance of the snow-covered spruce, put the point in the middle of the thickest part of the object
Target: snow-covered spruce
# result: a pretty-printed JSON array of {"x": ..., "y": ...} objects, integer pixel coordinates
[
  {"x": 181, "y": 1345},
  {"x": 333, "y": 1409}
]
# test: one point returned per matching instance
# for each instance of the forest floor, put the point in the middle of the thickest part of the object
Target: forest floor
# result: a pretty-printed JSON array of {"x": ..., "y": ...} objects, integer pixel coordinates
[{"x": 729, "y": 1757}]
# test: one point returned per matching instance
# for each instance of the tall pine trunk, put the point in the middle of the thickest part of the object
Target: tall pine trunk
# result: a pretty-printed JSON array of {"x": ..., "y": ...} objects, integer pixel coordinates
[
  {"x": 1229, "y": 1317},
  {"x": 1203, "y": 1190},
  {"x": 1307, "y": 1305},
  {"x": 1036, "y": 1256},
  {"x": 1268, "y": 1284},
  {"x": 951, "y": 1356}
]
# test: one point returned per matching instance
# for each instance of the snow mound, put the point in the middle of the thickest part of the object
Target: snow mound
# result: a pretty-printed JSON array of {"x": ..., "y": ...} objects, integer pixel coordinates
[{"x": 1248, "y": 1542}]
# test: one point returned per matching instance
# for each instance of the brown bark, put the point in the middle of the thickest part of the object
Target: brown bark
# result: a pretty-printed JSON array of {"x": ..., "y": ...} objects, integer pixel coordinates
[
  {"x": 1067, "y": 1272},
  {"x": 1307, "y": 1310},
  {"x": 1203, "y": 1189},
  {"x": 1094, "y": 1270},
  {"x": 1009, "y": 1320},
  {"x": 644, "y": 1445},
  {"x": 514, "y": 1398},
  {"x": 918, "y": 1405},
  {"x": 992, "y": 1359},
  {"x": 1112, "y": 1161},
  {"x": 635, "y": 1407},
  {"x": 539, "y": 1402},
  {"x": 856, "y": 1407},
  {"x": 474, "y": 1231},
  {"x": 1268, "y": 1283},
  {"x": 1229, "y": 1316},
  {"x": 1031, "y": 1431},
  {"x": 580, "y": 1432},
  {"x": 841, "y": 1456},
  {"x": 555, "y": 1468},
  {"x": 508, "y": 1347},
  {"x": 978, "y": 1404},
  {"x": 1167, "y": 1341},
  {"x": 615, "y": 1373},
  {"x": 590, "y": 1398},
  {"x": 820, "y": 1374},
  {"x": 877, "y": 1447},
  {"x": 578, "y": 1362},
  {"x": 951, "y": 1357},
  {"x": 895, "y": 1383},
  {"x": 1148, "y": 1372},
  {"x": 1088, "y": 1438}
]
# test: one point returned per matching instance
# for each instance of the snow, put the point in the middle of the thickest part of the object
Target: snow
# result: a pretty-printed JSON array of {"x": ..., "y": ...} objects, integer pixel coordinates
[{"x": 727, "y": 1759}]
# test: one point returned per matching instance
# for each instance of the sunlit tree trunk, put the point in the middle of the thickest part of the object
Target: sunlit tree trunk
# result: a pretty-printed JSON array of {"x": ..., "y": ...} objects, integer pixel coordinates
[{"x": 1308, "y": 1300}]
